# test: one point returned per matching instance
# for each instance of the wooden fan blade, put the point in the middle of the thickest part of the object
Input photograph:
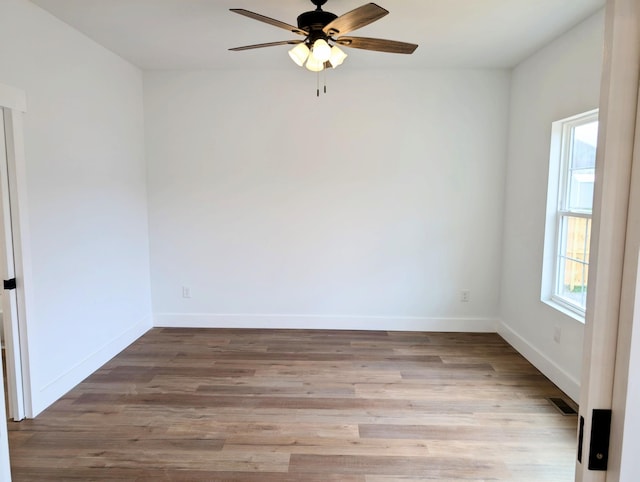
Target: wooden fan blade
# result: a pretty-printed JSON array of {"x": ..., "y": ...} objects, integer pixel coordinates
[
  {"x": 378, "y": 45},
  {"x": 270, "y": 44},
  {"x": 270, "y": 21},
  {"x": 355, "y": 19}
]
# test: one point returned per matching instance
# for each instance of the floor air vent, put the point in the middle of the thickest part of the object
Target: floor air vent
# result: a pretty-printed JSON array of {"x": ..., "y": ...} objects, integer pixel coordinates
[{"x": 562, "y": 406}]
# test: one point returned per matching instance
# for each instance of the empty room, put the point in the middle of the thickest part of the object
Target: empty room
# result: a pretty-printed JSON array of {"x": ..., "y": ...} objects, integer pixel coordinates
[{"x": 319, "y": 240}]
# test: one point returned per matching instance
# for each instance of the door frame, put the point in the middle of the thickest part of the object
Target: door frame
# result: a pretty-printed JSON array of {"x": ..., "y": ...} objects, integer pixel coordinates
[
  {"x": 13, "y": 104},
  {"x": 9, "y": 300},
  {"x": 615, "y": 240}
]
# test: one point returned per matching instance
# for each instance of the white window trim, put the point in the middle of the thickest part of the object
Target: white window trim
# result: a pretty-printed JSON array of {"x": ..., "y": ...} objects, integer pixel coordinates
[{"x": 557, "y": 185}]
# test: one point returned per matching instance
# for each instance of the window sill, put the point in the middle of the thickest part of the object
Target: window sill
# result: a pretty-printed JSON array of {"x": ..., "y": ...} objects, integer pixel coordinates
[{"x": 564, "y": 310}]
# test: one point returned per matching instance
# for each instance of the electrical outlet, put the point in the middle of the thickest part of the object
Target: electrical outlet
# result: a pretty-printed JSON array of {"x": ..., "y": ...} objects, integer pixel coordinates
[
  {"x": 465, "y": 296},
  {"x": 557, "y": 334},
  {"x": 186, "y": 292}
]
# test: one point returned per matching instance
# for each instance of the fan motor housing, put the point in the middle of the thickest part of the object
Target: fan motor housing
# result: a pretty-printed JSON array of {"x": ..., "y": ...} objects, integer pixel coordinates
[{"x": 315, "y": 20}]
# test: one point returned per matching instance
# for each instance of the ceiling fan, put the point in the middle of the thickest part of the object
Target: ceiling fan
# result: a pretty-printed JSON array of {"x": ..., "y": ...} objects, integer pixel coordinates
[{"x": 324, "y": 31}]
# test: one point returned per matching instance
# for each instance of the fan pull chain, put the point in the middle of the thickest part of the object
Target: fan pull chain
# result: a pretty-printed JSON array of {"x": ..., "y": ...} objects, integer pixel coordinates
[
  {"x": 324, "y": 72},
  {"x": 324, "y": 81}
]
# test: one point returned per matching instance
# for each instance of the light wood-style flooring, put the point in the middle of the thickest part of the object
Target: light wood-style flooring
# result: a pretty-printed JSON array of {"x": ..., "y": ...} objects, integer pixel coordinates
[{"x": 286, "y": 405}]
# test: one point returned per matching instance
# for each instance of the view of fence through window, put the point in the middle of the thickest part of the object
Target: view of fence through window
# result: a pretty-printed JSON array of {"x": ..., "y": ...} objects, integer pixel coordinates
[{"x": 576, "y": 201}]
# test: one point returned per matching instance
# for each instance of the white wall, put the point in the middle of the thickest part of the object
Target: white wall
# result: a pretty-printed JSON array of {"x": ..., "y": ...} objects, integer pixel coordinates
[
  {"x": 370, "y": 207},
  {"x": 84, "y": 146},
  {"x": 561, "y": 80}
]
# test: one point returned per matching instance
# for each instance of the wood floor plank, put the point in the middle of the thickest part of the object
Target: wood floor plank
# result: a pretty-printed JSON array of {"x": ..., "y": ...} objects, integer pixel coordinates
[
  {"x": 466, "y": 433},
  {"x": 314, "y": 445},
  {"x": 311, "y": 405},
  {"x": 424, "y": 467}
]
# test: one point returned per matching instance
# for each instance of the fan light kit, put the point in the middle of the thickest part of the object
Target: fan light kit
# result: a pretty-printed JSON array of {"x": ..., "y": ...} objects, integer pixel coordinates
[{"x": 324, "y": 32}]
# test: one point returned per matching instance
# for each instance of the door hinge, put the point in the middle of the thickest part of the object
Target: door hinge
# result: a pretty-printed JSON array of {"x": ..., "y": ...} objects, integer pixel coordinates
[
  {"x": 10, "y": 284},
  {"x": 600, "y": 433}
]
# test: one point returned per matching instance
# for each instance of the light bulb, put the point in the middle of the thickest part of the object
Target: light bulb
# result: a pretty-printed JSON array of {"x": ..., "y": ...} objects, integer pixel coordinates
[
  {"x": 299, "y": 53},
  {"x": 321, "y": 50},
  {"x": 337, "y": 56},
  {"x": 314, "y": 65}
]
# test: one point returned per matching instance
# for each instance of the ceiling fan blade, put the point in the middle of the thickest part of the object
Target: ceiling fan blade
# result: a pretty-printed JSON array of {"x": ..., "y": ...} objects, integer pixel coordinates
[
  {"x": 355, "y": 19},
  {"x": 377, "y": 44},
  {"x": 270, "y": 21},
  {"x": 270, "y": 44}
]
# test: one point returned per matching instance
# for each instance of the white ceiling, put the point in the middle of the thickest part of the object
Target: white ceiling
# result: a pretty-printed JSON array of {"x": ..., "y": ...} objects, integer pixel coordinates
[{"x": 196, "y": 34}]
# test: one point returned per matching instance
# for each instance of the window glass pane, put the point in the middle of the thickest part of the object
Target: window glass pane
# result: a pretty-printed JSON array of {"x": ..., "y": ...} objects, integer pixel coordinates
[
  {"x": 576, "y": 240},
  {"x": 573, "y": 285},
  {"x": 573, "y": 259},
  {"x": 582, "y": 164}
]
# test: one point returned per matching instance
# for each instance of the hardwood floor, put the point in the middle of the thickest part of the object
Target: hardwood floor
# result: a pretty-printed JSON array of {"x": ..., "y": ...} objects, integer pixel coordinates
[{"x": 284, "y": 405}]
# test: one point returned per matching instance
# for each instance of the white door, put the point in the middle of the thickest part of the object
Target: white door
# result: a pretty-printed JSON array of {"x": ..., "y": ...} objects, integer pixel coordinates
[
  {"x": 8, "y": 280},
  {"x": 5, "y": 462},
  {"x": 613, "y": 274}
]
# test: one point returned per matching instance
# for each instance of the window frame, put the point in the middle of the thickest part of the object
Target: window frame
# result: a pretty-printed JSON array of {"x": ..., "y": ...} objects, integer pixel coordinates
[{"x": 559, "y": 209}]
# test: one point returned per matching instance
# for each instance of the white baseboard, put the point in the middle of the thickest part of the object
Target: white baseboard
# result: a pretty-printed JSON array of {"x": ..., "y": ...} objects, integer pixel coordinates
[
  {"x": 51, "y": 392},
  {"x": 325, "y": 322},
  {"x": 555, "y": 373}
]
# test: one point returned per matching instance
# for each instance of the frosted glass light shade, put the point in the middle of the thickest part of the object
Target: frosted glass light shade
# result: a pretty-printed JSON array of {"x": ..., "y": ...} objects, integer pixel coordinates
[
  {"x": 337, "y": 56},
  {"x": 314, "y": 65},
  {"x": 321, "y": 50},
  {"x": 299, "y": 53}
]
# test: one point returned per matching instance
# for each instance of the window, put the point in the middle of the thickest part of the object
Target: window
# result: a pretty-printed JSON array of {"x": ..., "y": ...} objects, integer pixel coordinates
[{"x": 569, "y": 207}]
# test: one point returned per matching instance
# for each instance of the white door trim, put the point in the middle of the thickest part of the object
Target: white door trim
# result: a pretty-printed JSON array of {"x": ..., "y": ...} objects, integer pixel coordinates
[
  {"x": 4, "y": 439},
  {"x": 14, "y": 103},
  {"x": 607, "y": 320},
  {"x": 21, "y": 247},
  {"x": 624, "y": 466},
  {"x": 10, "y": 313}
]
